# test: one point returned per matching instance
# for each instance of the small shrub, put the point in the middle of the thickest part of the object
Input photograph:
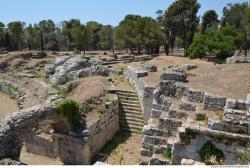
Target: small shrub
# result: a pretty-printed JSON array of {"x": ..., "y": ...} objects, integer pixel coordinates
[
  {"x": 200, "y": 117},
  {"x": 167, "y": 154},
  {"x": 220, "y": 137},
  {"x": 187, "y": 135},
  {"x": 210, "y": 154},
  {"x": 70, "y": 109}
]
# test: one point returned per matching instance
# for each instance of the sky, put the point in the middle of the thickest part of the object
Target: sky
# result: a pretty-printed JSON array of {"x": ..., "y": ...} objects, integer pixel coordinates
[{"x": 103, "y": 11}]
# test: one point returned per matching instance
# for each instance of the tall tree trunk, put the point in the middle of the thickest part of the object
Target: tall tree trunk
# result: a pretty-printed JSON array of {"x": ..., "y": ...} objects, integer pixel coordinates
[{"x": 139, "y": 49}]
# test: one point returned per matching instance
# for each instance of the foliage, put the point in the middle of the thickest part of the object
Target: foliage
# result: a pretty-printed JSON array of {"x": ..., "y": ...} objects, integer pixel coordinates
[
  {"x": 217, "y": 42},
  {"x": 208, "y": 151},
  {"x": 70, "y": 109},
  {"x": 167, "y": 154},
  {"x": 187, "y": 135},
  {"x": 102, "y": 111},
  {"x": 245, "y": 158},
  {"x": 209, "y": 19},
  {"x": 200, "y": 117},
  {"x": 181, "y": 20}
]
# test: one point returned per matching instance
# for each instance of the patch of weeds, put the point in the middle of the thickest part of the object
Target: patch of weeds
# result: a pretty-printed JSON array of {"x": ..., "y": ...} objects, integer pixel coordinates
[
  {"x": 102, "y": 111},
  {"x": 166, "y": 126},
  {"x": 87, "y": 108},
  {"x": 226, "y": 128},
  {"x": 187, "y": 135},
  {"x": 219, "y": 114},
  {"x": 245, "y": 158},
  {"x": 220, "y": 137},
  {"x": 70, "y": 109},
  {"x": 211, "y": 155},
  {"x": 200, "y": 117},
  {"x": 167, "y": 154}
]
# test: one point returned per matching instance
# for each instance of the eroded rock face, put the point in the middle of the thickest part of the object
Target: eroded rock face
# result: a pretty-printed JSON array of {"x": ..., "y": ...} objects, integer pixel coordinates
[
  {"x": 150, "y": 67},
  {"x": 177, "y": 74},
  {"x": 65, "y": 69},
  {"x": 8, "y": 161},
  {"x": 14, "y": 128},
  {"x": 237, "y": 58}
]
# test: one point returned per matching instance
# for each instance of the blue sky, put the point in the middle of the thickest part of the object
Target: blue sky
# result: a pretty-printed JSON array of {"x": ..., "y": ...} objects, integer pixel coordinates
[{"x": 104, "y": 11}]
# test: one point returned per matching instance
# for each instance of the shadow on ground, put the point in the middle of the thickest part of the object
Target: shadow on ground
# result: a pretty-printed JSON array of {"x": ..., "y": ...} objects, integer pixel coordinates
[{"x": 118, "y": 139}]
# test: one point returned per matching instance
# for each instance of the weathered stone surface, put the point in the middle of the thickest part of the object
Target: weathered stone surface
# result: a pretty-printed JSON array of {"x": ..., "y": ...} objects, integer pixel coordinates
[
  {"x": 181, "y": 91},
  {"x": 195, "y": 95},
  {"x": 189, "y": 66},
  {"x": 14, "y": 128},
  {"x": 187, "y": 106},
  {"x": 190, "y": 162},
  {"x": 8, "y": 161},
  {"x": 214, "y": 103},
  {"x": 145, "y": 152},
  {"x": 66, "y": 69},
  {"x": 237, "y": 58},
  {"x": 176, "y": 74},
  {"x": 158, "y": 161},
  {"x": 150, "y": 67}
]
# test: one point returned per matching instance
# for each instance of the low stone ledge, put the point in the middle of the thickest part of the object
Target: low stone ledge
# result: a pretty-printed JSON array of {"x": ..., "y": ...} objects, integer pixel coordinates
[
  {"x": 214, "y": 103},
  {"x": 196, "y": 95}
]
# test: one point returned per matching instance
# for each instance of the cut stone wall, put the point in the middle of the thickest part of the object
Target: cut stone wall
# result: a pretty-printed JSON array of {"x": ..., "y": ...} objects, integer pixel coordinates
[
  {"x": 144, "y": 91},
  {"x": 77, "y": 150}
]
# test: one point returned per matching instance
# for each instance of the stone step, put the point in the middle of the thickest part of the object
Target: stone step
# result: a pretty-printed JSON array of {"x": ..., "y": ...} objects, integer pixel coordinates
[
  {"x": 131, "y": 123},
  {"x": 132, "y": 118},
  {"x": 131, "y": 105},
  {"x": 131, "y": 131},
  {"x": 131, "y": 128},
  {"x": 129, "y": 115},
  {"x": 126, "y": 108},
  {"x": 128, "y": 98},
  {"x": 126, "y": 93},
  {"x": 130, "y": 101},
  {"x": 131, "y": 112}
]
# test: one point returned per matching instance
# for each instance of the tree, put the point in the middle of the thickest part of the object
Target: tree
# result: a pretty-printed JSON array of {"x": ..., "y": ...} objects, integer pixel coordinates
[
  {"x": 106, "y": 37},
  {"x": 209, "y": 19},
  {"x": 2, "y": 26},
  {"x": 92, "y": 30},
  {"x": 16, "y": 33},
  {"x": 48, "y": 35},
  {"x": 218, "y": 42},
  {"x": 181, "y": 20},
  {"x": 233, "y": 15},
  {"x": 79, "y": 36}
]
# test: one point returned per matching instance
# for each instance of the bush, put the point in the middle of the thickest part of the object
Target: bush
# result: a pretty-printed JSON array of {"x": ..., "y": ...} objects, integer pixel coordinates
[
  {"x": 217, "y": 42},
  {"x": 102, "y": 111},
  {"x": 200, "y": 117},
  {"x": 208, "y": 151},
  {"x": 167, "y": 154},
  {"x": 70, "y": 109}
]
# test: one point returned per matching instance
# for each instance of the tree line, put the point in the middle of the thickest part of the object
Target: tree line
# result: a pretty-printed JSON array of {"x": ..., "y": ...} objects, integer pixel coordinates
[{"x": 176, "y": 27}]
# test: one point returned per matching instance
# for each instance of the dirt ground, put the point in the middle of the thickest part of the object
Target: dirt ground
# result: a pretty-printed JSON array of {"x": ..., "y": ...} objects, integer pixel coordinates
[
  {"x": 7, "y": 105},
  {"x": 123, "y": 149},
  {"x": 231, "y": 80},
  {"x": 32, "y": 159}
]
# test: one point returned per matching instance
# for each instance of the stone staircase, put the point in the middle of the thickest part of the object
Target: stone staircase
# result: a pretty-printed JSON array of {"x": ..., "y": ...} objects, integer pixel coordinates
[{"x": 130, "y": 116}]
